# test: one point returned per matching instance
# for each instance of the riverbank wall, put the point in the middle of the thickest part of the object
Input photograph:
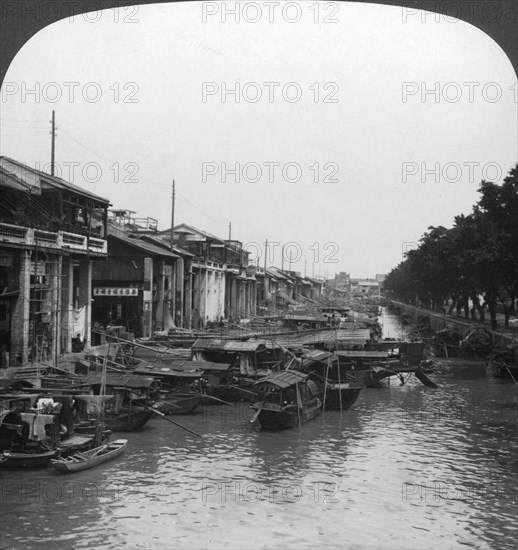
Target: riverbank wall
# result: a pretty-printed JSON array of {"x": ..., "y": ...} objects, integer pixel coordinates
[{"x": 438, "y": 321}]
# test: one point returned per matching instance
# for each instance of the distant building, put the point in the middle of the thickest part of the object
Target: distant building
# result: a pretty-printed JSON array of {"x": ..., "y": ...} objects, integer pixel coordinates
[
  {"x": 367, "y": 287},
  {"x": 342, "y": 281}
]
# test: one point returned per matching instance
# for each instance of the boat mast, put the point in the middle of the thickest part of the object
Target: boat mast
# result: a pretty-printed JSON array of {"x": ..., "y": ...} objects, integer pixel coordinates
[{"x": 298, "y": 402}]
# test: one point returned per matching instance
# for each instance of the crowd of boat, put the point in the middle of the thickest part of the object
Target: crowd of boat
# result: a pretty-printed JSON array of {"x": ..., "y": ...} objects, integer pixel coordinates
[{"x": 288, "y": 369}]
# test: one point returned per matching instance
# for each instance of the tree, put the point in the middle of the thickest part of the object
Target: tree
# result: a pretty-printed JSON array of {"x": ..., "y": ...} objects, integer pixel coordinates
[{"x": 477, "y": 257}]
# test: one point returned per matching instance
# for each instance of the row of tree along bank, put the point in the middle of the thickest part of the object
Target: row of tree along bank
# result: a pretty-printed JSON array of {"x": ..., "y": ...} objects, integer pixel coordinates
[{"x": 471, "y": 267}]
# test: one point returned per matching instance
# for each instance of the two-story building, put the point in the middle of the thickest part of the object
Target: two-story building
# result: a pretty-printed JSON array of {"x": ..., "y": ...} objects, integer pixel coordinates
[
  {"x": 51, "y": 233},
  {"x": 143, "y": 283},
  {"x": 223, "y": 285}
]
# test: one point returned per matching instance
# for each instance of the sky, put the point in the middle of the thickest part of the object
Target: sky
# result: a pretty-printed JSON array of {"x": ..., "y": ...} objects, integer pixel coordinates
[{"x": 352, "y": 128}]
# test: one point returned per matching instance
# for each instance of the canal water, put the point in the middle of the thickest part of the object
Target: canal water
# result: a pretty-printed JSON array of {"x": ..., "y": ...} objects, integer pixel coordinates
[{"x": 408, "y": 467}]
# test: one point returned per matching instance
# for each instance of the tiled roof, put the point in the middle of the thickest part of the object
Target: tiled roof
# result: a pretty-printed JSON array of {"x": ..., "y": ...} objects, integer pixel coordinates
[
  {"x": 143, "y": 246},
  {"x": 53, "y": 181}
]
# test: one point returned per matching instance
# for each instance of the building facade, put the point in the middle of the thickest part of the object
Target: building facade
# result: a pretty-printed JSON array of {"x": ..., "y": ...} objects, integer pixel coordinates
[{"x": 51, "y": 233}]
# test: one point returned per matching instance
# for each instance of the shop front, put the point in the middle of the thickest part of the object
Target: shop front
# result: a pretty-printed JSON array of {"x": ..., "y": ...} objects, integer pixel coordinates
[{"x": 117, "y": 305}]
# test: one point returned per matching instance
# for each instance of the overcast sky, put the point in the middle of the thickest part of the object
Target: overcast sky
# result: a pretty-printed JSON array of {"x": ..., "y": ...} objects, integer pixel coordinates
[{"x": 360, "y": 158}]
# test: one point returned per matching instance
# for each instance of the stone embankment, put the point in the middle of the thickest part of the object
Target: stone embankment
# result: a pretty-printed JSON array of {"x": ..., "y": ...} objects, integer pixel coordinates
[{"x": 502, "y": 336}]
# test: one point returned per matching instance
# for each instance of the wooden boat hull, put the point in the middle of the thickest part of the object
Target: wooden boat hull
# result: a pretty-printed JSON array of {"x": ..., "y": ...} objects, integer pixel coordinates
[
  {"x": 126, "y": 422},
  {"x": 94, "y": 457},
  {"x": 478, "y": 352},
  {"x": 275, "y": 417},
  {"x": 26, "y": 461},
  {"x": 217, "y": 392},
  {"x": 239, "y": 392},
  {"x": 501, "y": 369},
  {"x": 371, "y": 378},
  {"x": 441, "y": 350},
  {"x": 337, "y": 398},
  {"x": 76, "y": 442},
  {"x": 175, "y": 403}
]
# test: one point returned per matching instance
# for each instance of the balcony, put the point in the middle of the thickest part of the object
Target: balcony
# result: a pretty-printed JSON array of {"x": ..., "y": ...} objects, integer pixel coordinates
[{"x": 26, "y": 236}]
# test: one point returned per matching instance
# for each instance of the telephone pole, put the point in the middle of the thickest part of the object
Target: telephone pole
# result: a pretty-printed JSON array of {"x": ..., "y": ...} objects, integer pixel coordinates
[
  {"x": 53, "y": 144},
  {"x": 172, "y": 216}
]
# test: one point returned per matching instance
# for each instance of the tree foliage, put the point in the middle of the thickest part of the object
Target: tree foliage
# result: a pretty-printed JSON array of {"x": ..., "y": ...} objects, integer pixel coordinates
[{"x": 476, "y": 259}]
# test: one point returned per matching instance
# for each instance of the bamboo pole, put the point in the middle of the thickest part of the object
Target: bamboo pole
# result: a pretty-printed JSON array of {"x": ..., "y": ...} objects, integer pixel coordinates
[
  {"x": 325, "y": 385},
  {"x": 173, "y": 422},
  {"x": 298, "y": 402},
  {"x": 339, "y": 386}
]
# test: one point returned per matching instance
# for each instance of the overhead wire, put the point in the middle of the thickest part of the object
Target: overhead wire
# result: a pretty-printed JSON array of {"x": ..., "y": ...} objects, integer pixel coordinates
[{"x": 7, "y": 123}]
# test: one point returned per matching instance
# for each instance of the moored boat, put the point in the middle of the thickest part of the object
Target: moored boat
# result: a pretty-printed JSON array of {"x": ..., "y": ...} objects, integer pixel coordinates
[
  {"x": 477, "y": 342},
  {"x": 369, "y": 368},
  {"x": 502, "y": 362},
  {"x": 88, "y": 459},
  {"x": 341, "y": 395},
  {"x": 447, "y": 342},
  {"x": 177, "y": 403},
  {"x": 26, "y": 460},
  {"x": 125, "y": 404},
  {"x": 339, "y": 391},
  {"x": 36, "y": 428},
  {"x": 287, "y": 399}
]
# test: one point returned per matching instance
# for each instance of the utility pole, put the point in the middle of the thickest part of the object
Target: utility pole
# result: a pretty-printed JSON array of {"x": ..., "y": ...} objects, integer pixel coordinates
[
  {"x": 172, "y": 217},
  {"x": 265, "y": 255},
  {"x": 229, "y": 231},
  {"x": 53, "y": 144}
]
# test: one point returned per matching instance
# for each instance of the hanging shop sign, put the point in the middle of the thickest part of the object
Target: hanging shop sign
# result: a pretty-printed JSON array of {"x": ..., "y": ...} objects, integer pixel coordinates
[
  {"x": 115, "y": 291},
  {"x": 38, "y": 269}
]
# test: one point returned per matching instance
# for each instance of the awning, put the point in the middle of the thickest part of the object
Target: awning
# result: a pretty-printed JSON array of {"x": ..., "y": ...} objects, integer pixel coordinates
[
  {"x": 175, "y": 371},
  {"x": 216, "y": 344},
  {"x": 249, "y": 345},
  {"x": 364, "y": 354},
  {"x": 119, "y": 380},
  {"x": 208, "y": 344},
  {"x": 284, "y": 379}
]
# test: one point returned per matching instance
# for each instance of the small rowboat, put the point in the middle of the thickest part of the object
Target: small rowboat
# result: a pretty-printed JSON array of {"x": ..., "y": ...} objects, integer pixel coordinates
[
  {"x": 25, "y": 460},
  {"x": 89, "y": 459}
]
